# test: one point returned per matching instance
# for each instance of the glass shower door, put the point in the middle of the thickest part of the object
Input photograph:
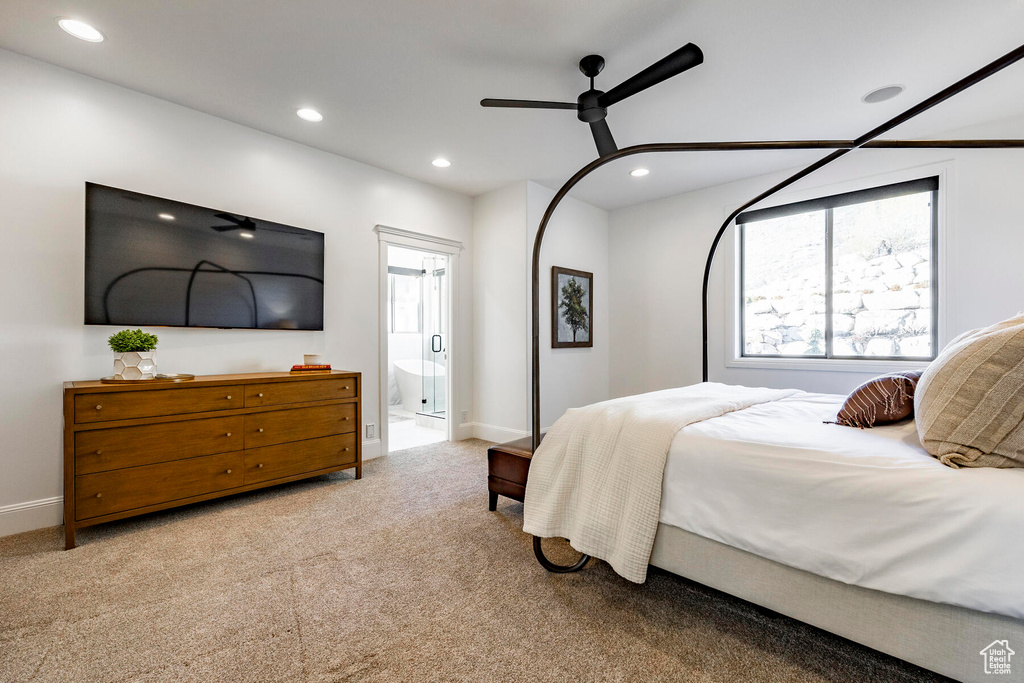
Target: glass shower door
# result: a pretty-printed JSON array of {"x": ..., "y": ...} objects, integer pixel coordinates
[{"x": 435, "y": 355}]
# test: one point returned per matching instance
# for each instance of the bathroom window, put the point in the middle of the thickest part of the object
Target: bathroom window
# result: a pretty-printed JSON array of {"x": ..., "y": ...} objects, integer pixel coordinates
[{"x": 405, "y": 314}]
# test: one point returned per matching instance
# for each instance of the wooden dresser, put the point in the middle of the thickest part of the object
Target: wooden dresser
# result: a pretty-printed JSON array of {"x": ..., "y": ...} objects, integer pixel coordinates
[{"x": 135, "y": 448}]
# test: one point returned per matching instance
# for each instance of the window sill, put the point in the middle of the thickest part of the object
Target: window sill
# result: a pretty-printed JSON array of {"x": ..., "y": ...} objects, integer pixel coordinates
[{"x": 825, "y": 364}]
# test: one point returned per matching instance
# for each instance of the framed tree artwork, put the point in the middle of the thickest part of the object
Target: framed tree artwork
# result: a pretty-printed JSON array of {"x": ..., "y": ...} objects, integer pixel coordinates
[{"x": 572, "y": 305}]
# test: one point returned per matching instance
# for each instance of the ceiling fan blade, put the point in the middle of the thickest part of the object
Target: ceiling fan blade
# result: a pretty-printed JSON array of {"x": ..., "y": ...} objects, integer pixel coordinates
[
  {"x": 686, "y": 57},
  {"x": 224, "y": 228},
  {"x": 526, "y": 104},
  {"x": 603, "y": 137}
]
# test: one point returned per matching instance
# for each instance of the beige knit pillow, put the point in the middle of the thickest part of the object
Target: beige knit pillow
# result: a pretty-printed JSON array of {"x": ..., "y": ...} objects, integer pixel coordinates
[{"x": 969, "y": 403}]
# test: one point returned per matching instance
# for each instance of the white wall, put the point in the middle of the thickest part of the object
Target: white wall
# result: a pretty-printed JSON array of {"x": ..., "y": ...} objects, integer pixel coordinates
[
  {"x": 58, "y": 130},
  {"x": 577, "y": 238},
  {"x": 659, "y": 248},
  {"x": 505, "y": 223},
  {"x": 500, "y": 314}
]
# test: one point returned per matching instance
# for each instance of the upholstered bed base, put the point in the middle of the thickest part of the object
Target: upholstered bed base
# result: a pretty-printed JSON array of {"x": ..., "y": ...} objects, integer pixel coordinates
[{"x": 942, "y": 638}]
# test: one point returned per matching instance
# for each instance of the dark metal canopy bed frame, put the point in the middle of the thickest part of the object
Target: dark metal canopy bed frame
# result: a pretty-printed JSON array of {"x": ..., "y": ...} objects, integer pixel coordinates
[{"x": 929, "y": 634}]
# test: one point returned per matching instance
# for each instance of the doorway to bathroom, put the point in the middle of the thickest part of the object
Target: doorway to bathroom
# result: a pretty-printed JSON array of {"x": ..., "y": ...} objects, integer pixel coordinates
[{"x": 418, "y": 323}]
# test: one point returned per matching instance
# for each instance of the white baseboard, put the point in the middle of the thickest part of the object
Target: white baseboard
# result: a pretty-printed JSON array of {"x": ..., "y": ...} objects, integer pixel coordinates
[
  {"x": 494, "y": 433},
  {"x": 463, "y": 431},
  {"x": 371, "y": 449},
  {"x": 31, "y": 515}
]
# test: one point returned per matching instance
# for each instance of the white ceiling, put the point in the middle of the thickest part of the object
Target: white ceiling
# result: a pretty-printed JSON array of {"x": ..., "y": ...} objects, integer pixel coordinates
[{"x": 399, "y": 81}]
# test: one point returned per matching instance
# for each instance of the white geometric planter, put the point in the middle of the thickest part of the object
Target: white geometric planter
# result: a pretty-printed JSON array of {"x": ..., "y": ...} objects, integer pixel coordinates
[{"x": 135, "y": 365}]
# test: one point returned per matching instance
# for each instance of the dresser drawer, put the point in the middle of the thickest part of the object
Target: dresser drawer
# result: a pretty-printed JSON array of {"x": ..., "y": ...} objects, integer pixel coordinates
[
  {"x": 109, "y": 449},
  {"x": 105, "y": 493},
  {"x": 288, "y": 459},
  {"x": 124, "y": 405},
  {"x": 280, "y": 426},
  {"x": 280, "y": 393}
]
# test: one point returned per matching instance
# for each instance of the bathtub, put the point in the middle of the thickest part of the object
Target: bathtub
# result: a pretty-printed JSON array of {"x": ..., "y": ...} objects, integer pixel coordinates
[{"x": 412, "y": 383}]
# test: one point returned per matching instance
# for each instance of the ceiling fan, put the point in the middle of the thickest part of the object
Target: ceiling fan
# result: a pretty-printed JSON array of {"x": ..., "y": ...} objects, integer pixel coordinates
[
  {"x": 243, "y": 223},
  {"x": 592, "y": 105}
]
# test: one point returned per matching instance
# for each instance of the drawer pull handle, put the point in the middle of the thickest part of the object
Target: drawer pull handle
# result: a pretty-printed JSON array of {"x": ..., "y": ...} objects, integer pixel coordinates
[
  {"x": 346, "y": 450},
  {"x": 99, "y": 452},
  {"x": 260, "y": 430},
  {"x": 228, "y": 472},
  {"x": 344, "y": 418},
  {"x": 228, "y": 434},
  {"x": 345, "y": 388},
  {"x": 229, "y": 397},
  {"x": 99, "y": 407},
  {"x": 260, "y": 395},
  {"x": 259, "y": 466},
  {"x": 99, "y": 495}
]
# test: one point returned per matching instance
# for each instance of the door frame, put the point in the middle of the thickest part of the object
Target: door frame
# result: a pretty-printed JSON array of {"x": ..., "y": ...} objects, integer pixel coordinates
[{"x": 387, "y": 237}]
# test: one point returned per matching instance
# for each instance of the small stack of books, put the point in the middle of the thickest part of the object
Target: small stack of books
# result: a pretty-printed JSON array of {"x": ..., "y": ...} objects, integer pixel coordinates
[{"x": 311, "y": 368}]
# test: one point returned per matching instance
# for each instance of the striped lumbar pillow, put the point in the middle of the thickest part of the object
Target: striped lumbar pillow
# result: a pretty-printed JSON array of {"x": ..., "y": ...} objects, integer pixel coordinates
[
  {"x": 882, "y": 400},
  {"x": 970, "y": 400}
]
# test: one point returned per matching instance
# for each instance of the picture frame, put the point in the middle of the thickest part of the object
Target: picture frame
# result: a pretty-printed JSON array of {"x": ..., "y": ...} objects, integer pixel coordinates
[{"x": 572, "y": 306}]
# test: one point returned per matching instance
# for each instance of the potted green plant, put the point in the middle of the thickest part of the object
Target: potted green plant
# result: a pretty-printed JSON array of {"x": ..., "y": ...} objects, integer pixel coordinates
[{"x": 134, "y": 354}]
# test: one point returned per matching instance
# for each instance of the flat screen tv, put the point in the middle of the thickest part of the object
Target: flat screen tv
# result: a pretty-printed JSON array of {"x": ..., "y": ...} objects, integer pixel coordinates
[{"x": 153, "y": 261}]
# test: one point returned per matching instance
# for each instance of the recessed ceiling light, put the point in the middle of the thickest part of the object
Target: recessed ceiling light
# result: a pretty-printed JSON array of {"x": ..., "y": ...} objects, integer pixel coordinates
[
  {"x": 80, "y": 29},
  {"x": 247, "y": 235},
  {"x": 166, "y": 216},
  {"x": 441, "y": 162},
  {"x": 882, "y": 94},
  {"x": 639, "y": 172},
  {"x": 311, "y": 115}
]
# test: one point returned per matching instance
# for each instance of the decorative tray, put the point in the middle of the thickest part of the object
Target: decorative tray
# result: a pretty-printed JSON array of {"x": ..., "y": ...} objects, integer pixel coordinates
[{"x": 169, "y": 377}]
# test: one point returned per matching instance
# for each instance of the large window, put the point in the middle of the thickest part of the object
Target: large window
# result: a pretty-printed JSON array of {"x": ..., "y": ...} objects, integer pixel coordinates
[{"x": 846, "y": 276}]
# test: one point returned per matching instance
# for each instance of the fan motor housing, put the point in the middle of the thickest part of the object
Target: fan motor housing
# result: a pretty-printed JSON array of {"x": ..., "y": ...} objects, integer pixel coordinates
[{"x": 587, "y": 108}]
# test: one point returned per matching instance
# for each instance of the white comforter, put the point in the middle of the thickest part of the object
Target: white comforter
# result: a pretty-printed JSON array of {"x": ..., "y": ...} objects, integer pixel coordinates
[
  {"x": 865, "y": 507},
  {"x": 596, "y": 478}
]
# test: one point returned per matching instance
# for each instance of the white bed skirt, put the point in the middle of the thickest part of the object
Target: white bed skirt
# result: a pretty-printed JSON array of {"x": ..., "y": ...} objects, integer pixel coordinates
[{"x": 942, "y": 638}]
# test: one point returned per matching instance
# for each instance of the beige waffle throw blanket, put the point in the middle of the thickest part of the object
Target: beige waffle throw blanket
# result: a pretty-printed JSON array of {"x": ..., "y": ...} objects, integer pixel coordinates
[{"x": 596, "y": 478}]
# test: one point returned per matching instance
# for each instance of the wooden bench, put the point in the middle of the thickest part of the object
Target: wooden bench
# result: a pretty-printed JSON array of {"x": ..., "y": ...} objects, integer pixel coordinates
[{"x": 508, "y": 465}]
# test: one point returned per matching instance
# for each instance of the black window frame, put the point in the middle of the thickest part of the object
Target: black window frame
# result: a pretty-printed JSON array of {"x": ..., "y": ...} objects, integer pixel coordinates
[{"x": 827, "y": 204}]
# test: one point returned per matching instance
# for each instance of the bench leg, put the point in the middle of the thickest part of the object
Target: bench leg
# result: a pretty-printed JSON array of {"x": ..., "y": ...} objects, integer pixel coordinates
[{"x": 492, "y": 503}]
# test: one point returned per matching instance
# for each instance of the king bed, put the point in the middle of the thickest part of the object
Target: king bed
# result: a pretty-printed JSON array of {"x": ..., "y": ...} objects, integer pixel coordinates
[
  {"x": 868, "y": 507},
  {"x": 857, "y": 531}
]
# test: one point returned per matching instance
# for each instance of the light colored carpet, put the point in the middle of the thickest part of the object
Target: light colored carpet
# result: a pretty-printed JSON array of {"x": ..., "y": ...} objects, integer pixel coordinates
[{"x": 402, "y": 576}]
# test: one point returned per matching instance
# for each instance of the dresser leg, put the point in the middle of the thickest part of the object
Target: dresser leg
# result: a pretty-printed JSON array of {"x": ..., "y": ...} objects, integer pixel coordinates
[
  {"x": 69, "y": 536},
  {"x": 359, "y": 471},
  {"x": 492, "y": 503}
]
